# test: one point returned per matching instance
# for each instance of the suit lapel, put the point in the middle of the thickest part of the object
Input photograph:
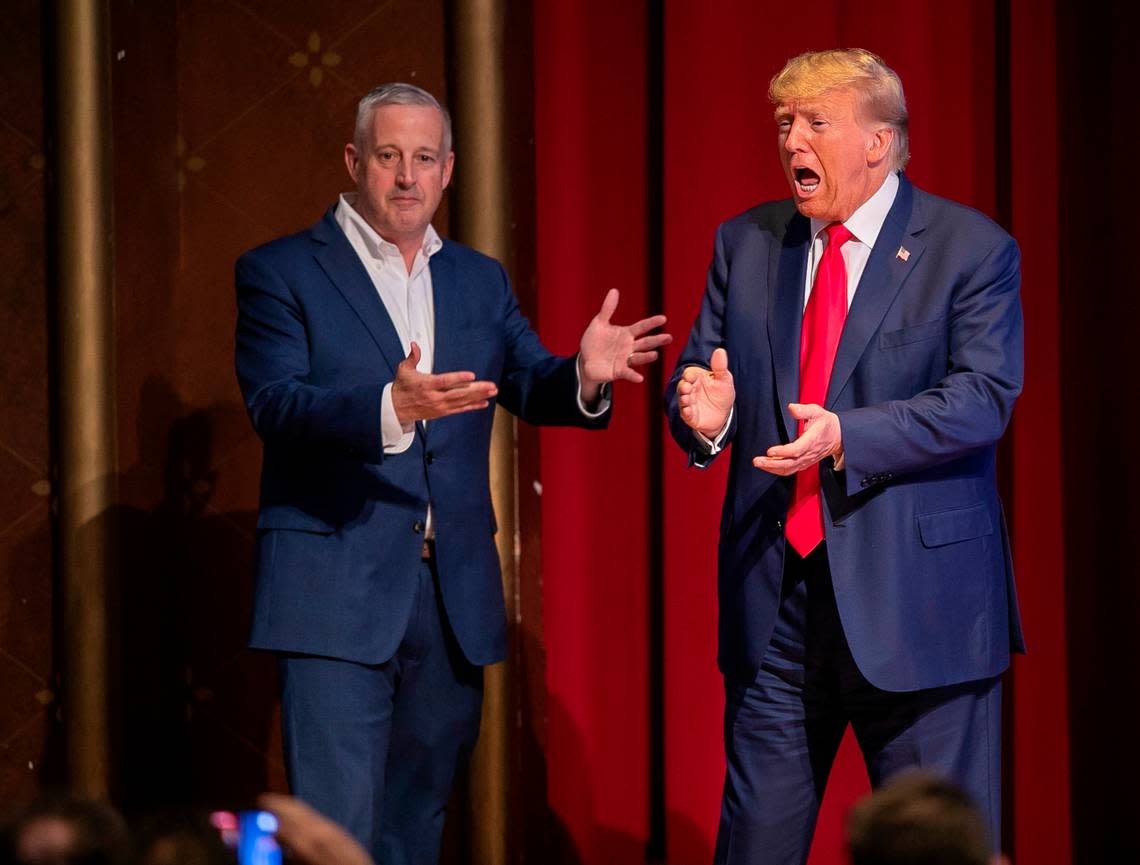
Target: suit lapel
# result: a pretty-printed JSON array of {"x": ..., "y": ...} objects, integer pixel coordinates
[
  {"x": 882, "y": 278},
  {"x": 787, "y": 260},
  {"x": 447, "y": 300},
  {"x": 346, "y": 271}
]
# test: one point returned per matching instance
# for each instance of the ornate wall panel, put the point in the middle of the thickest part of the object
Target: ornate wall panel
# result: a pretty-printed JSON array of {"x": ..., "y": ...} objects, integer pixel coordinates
[{"x": 29, "y": 744}]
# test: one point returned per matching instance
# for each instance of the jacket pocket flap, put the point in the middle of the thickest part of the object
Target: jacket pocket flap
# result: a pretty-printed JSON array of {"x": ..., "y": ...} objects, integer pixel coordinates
[
  {"x": 960, "y": 524},
  {"x": 288, "y": 517},
  {"x": 907, "y": 335}
]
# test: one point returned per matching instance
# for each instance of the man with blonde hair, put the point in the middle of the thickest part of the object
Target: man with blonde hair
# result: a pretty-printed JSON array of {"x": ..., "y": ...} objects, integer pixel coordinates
[{"x": 860, "y": 346}]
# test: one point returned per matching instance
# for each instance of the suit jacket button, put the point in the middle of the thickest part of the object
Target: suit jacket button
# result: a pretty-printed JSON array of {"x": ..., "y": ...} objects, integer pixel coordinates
[
  {"x": 429, "y": 458},
  {"x": 418, "y": 527}
]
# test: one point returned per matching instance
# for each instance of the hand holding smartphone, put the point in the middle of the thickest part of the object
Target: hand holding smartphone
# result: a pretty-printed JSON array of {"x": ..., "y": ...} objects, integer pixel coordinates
[
  {"x": 311, "y": 838},
  {"x": 251, "y": 834}
]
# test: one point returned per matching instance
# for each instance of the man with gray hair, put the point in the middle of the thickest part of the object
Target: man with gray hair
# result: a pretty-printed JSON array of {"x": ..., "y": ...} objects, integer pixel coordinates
[
  {"x": 370, "y": 353},
  {"x": 860, "y": 347}
]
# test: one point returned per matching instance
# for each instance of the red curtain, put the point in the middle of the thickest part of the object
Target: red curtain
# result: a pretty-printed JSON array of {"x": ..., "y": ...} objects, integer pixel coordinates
[
  {"x": 590, "y": 120},
  {"x": 1041, "y": 830},
  {"x": 967, "y": 69}
]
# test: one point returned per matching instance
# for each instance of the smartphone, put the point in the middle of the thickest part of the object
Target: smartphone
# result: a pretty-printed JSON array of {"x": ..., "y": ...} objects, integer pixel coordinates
[{"x": 251, "y": 834}]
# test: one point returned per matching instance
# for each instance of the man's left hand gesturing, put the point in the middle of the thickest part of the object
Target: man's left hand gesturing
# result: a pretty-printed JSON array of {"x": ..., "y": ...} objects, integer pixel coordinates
[
  {"x": 609, "y": 351},
  {"x": 820, "y": 439}
]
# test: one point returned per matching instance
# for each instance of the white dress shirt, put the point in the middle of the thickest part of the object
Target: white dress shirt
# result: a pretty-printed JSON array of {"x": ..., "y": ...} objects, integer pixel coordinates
[
  {"x": 864, "y": 224},
  {"x": 406, "y": 296},
  {"x": 410, "y": 304}
]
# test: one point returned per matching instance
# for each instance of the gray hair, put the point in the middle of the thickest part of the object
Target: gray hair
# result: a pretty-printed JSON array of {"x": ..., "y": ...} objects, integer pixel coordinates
[{"x": 398, "y": 93}]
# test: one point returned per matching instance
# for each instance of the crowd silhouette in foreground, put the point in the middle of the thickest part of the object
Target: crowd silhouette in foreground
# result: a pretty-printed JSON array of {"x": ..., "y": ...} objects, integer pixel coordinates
[{"x": 916, "y": 819}]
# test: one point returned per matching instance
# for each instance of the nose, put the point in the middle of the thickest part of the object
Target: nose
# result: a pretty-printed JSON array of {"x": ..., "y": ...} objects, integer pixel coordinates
[
  {"x": 406, "y": 174},
  {"x": 794, "y": 138}
]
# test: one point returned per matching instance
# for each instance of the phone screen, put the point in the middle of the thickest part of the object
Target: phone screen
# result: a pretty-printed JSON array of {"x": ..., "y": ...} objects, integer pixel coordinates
[{"x": 251, "y": 834}]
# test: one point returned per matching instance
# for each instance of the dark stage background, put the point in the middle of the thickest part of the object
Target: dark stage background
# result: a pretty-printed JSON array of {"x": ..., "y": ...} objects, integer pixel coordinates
[{"x": 649, "y": 126}]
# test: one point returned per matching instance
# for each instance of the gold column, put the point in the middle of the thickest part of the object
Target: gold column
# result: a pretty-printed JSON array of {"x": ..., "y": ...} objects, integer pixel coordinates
[
  {"x": 80, "y": 192},
  {"x": 482, "y": 220}
]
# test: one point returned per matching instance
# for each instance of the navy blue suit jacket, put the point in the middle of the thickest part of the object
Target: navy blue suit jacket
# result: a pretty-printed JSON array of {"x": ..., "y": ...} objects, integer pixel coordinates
[
  {"x": 340, "y": 522},
  {"x": 925, "y": 377}
]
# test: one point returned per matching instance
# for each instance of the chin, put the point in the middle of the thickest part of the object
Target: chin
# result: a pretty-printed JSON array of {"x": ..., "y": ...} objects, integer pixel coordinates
[
  {"x": 813, "y": 209},
  {"x": 808, "y": 207}
]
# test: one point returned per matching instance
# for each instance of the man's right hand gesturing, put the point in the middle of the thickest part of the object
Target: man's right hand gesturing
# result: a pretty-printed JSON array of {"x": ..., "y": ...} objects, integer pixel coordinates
[
  {"x": 423, "y": 395},
  {"x": 705, "y": 396}
]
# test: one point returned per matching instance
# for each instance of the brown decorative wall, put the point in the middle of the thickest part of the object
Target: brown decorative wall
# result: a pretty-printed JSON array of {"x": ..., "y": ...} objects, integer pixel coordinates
[
  {"x": 229, "y": 125},
  {"x": 29, "y": 742}
]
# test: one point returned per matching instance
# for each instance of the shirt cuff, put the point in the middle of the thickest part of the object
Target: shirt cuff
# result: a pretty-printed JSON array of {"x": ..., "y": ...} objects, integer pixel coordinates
[
  {"x": 715, "y": 445},
  {"x": 603, "y": 396},
  {"x": 395, "y": 437}
]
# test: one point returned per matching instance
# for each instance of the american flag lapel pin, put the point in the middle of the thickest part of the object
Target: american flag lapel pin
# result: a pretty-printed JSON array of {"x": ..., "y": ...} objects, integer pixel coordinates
[{"x": 903, "y": 254}]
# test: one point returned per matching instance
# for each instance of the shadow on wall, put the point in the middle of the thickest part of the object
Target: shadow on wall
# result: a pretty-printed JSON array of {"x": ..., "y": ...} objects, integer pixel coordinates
[
  {"x": 197, "y": 711},
  {"x": 603, "y": 843},
  {"x": 543, "y": 837}
]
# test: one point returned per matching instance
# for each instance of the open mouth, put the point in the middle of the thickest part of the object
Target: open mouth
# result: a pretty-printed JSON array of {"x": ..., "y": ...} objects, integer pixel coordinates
[{"x": 806, "y": 180}]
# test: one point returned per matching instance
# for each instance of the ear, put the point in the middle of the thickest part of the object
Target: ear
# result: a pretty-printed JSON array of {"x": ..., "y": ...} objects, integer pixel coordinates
[
  {"x": 879, "y": 144},
  {"x": 351, "y": 160},
  {"x": 448, "y": 165}
]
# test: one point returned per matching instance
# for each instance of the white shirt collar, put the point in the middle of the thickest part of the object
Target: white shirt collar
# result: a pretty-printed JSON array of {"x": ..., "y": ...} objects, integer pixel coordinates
[
  {"x": 866, "y": 222},
  {"x": 352, "y": 223}
]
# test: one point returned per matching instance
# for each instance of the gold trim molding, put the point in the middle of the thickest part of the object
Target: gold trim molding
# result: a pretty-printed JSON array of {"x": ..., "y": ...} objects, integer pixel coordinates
[
  {"x": 481, "y": 214},
  {"x": 80, "y": 192}
]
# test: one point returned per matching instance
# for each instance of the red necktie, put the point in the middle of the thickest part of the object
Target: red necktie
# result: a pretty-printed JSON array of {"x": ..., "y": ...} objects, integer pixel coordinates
[{"x": 823, "y": 323}]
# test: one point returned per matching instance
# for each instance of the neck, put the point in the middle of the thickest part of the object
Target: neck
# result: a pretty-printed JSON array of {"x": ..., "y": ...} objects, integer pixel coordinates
[
  {"x": 408, "y": 252},
  {"x": 874, "y": 183}
]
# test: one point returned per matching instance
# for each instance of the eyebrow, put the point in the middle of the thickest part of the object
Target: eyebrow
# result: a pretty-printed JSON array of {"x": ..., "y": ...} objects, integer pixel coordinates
[{"x": 425, "y": 149}]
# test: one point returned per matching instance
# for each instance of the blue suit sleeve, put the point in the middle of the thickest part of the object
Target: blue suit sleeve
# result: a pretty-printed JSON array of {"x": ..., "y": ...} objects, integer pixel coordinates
[
  {"x": 272, "y": 361},
  {"x": 970, "y": 407},
  {"x": 706, "y": 336},
  {"x": 539, "y": 387}
]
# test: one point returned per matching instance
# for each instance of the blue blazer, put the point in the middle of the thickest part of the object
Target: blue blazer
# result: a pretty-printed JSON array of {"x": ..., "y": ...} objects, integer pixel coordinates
[
  {"x": 340, "y": 525},
  {"x": 925, "y": 377}
]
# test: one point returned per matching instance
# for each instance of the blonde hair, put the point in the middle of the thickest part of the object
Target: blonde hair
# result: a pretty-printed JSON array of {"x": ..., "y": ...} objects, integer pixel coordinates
[{"x": 816, "y": 72}]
